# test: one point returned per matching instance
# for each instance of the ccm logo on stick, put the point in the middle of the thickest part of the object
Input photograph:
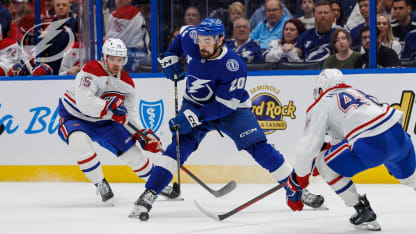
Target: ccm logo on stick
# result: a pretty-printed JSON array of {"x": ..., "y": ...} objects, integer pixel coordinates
[{"x": 248, "y": 132}]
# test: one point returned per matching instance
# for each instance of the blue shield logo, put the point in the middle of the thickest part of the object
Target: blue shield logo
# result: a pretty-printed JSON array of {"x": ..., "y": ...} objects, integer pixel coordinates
[{"x": 151, "y": 114}]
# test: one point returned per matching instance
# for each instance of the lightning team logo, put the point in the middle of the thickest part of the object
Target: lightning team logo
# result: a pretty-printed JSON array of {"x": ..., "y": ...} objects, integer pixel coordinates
[
  {"x": 268, "y": 109},
  {"x": 47, "y": 36},
  {"x": 151, "y": 114}
]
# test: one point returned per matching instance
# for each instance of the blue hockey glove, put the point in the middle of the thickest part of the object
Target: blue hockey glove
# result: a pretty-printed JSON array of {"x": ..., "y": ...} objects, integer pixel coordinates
[
  {"x": 170, "y": 65},
  {"x": 294, "y": 193},
  {"x": 185, "y": 121}
]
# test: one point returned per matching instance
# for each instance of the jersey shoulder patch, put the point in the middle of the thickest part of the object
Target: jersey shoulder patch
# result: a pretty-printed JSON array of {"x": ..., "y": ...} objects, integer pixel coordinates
[{"x": 124, "y": 76}]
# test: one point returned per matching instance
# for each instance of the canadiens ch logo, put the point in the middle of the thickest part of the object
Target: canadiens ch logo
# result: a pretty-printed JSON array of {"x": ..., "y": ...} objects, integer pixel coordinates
[
  {"x": 151, "y": 114},
  {"x": 232, "y": 65},
  {"x": 268, "y": 109}
]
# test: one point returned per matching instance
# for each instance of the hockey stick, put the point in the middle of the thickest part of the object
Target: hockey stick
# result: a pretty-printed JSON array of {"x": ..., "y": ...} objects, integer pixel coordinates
[
  {"x": 217, "y": 193},
  {"x": 220, "y": 217},
  {"x": 178, "y": 156},
  {"x": 1, "y": 128}
]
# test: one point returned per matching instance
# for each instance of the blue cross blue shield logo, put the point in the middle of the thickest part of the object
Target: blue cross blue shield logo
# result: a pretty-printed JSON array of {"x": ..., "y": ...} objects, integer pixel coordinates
[{"x": 151, "y": 114}]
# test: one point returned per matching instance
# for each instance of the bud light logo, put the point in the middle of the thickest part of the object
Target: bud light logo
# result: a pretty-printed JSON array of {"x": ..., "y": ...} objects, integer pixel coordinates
[
  {"x": 151, "y": 114},
  {"x": 269, "y": 111}
]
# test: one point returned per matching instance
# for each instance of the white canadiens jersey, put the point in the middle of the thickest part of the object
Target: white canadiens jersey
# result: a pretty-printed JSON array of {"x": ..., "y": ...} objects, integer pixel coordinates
[
  {"x": 9, "y": 54},
  {"x": 129, "y": 25},
  {"x": 343, "y": 113},
  {"x": 86, "y": 98}
]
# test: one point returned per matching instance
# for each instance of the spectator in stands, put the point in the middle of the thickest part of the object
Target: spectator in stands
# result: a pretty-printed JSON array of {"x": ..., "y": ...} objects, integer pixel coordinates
[
  {"x": 5, "y": 20},
  {"x": 22, "y": 20},
  {"x": 338, "y": 13},
  {"x": 61, "y": 41},
  {"x": 313, "y": 45},
  {"x": 260, "y": 14},
  {"x": 191, "y": 16},
  {"x": 248, "y": 49},
  {"x": 409, "y": 49},
  {"x": 344, "y": 57},
  {"x": 364, "y": 6},
  {"x": 386, "y": 33},
  {"x": 49, "y": 11},
  {"x": 385, "y": 56},
  {"x": 284, "y": 50},
  {"x": 384, "y": 7},
  {"x": 272, "y": 27},
  {"x": 308, "y": 19},
  {"x": 402, "y": 21},
  {"x": 128, "y": 24},
  {"x": 354, "y": 19},
  {"x": 70, "y": 61},
  {"x": 235, "y": 11}
]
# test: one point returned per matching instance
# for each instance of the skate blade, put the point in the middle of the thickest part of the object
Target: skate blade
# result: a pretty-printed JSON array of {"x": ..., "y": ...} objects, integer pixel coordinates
[
  {"x": 163, "y": 198},
  {"x": 110, "y": 202},
  {"x": 369, "y": 226},
  {"x": 321, "y": 208},
  {"x": 137, "y": 210}
]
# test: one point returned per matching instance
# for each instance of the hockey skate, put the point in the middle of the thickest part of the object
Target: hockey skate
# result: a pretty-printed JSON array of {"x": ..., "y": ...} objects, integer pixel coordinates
[
  {"x": 143, "y": 205},
  {"x": 171, "y": 192},
  {"x": 365, "y": 218},
  {"x": 313, "y": 200},
  {"x": 103, "y": 188}
]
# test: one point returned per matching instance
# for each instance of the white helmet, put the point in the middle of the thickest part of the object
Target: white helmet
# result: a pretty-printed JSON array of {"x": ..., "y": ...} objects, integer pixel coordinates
[
  {"x": 114, "y": 47},
  {"x": 327, "y": 79}
]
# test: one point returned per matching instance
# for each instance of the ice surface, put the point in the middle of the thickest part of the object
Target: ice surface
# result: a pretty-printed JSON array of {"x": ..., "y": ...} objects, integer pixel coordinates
[{"x": 73, "y": 208}]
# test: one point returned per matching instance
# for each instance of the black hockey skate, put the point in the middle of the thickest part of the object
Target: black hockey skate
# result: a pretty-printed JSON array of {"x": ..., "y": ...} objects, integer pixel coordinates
[
  {"x": 171, "y": 192},
  {"x": 103, "y": 188},
  {"x": 312, "y": 200},
  {"x": 143, "y": 205},
  {"x": 365, "y": 218}
]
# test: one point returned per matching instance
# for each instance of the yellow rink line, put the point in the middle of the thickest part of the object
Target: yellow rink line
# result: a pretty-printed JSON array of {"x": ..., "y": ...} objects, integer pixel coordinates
[{"x": 208, "y": 174}]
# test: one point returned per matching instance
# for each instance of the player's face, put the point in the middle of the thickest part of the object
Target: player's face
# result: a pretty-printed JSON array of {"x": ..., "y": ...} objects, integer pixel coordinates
[
  {"x": 290, "y": 33},
  {"x": 114, "y": 64},
  {"x": 382, "y": 24},
  {"x": 342, "y": 43},
  {"x": 207, "y": 45}
]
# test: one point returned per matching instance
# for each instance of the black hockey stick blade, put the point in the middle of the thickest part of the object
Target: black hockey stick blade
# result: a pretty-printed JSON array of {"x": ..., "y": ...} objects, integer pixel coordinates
[
  {"x": 1, "y": 128},
  {"x": 220, "y": 217},
  {"x": 217, "y": 193}
]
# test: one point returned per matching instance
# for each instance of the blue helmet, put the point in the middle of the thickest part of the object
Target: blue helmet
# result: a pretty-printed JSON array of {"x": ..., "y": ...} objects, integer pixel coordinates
[{"x": 211, "y": 27}]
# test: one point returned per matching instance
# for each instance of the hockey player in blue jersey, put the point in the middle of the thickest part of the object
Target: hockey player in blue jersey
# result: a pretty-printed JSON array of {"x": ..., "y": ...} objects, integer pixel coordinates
[
  {"x": 364, "y": 134},
  {"x": 215, "y": 97}
]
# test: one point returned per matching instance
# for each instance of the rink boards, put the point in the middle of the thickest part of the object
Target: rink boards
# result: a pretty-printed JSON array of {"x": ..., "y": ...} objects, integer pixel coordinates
[{"x": 32, "y": 151}]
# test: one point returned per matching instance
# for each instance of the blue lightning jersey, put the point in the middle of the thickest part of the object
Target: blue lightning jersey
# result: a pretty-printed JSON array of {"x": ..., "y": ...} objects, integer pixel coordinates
[
  {"x": 314, "y": 46},
  {"x": 215, "y": 86}
]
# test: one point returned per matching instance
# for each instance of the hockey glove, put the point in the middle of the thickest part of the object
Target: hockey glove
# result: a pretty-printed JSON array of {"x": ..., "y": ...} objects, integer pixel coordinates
[
  {"x": 170, "y": 65},
  {"x": 294, "y": 193},
  {"x": 185, "y": 121},
  {"x": 116, "y": 105},
  {"x": 42, "y": 69},
  {"x": 18, "y": 70},
  {"x": 149, "y": 142}
]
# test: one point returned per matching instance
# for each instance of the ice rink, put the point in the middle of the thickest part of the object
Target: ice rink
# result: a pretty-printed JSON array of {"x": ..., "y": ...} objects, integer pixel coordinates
[{"x": 74, "y": 208}]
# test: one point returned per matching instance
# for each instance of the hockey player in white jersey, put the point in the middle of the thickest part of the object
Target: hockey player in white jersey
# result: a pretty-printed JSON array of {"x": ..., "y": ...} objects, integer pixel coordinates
[
  {"x": 101, "y": 99},
  {"x": 215, "y": 95},
  {"x": 364, "y": 134}
]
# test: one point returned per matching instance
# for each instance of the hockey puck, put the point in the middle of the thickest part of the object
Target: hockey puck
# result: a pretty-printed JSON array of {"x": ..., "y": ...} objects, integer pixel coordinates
[{"x": 144, "y": 216}]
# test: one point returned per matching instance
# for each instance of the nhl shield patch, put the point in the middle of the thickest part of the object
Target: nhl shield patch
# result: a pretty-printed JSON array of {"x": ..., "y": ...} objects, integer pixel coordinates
[{"x": 151, "y": 114}]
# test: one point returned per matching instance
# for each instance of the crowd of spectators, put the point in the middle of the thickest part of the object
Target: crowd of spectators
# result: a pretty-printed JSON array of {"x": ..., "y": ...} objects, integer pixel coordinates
[{"x": 333, "y": 33}]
